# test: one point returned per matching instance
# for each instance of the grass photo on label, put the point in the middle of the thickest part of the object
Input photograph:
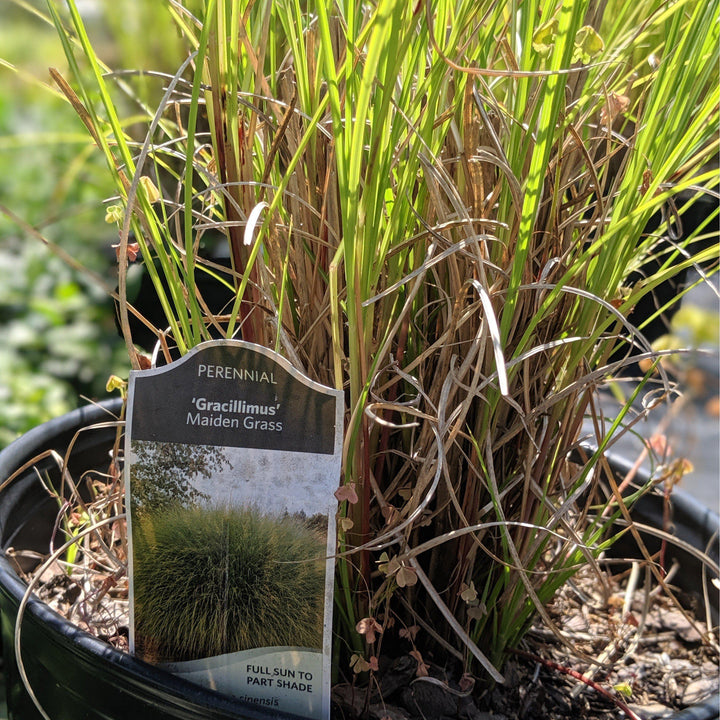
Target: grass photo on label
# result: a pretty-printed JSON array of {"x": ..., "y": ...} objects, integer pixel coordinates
[{"x": 216, "y": 580}]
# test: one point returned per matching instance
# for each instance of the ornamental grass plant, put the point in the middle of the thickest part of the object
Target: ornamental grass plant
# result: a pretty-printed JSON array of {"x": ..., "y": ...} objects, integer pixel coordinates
[{"x": 440, "y": 208}]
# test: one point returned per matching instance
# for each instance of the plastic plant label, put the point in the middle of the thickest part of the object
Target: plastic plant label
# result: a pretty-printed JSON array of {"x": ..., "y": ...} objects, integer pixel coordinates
[{"x": 232, "y": 461}]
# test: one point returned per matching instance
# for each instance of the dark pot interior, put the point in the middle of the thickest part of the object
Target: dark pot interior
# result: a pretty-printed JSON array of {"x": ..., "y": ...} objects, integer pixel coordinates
[{"x": 691, "y": 522}]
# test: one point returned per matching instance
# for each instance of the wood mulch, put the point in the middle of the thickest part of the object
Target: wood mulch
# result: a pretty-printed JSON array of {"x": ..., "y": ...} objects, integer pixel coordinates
[{"x": 653, "y": 656}]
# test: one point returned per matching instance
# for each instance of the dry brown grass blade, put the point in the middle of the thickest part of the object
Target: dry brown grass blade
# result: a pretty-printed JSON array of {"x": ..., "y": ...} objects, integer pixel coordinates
[
  {"x": 18, "y": 629},
  {"x": 457, "y": 628}
]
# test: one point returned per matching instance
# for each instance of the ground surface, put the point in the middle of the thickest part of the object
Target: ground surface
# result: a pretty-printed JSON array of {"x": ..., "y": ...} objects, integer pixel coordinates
[{"x": 654, "y": 659}]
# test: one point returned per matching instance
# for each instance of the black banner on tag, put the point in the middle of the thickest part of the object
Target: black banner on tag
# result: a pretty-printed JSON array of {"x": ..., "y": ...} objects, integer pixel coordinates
[{"x": 233, "y": 395}]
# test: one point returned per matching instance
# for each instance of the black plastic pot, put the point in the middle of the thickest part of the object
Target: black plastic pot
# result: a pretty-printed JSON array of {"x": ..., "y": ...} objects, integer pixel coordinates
[
  {"x": 74, "y": 675},
  {"x": 690, "y": 521},
  {"x": 696, "y": 525},
  {"x": 78, "y": 677}
]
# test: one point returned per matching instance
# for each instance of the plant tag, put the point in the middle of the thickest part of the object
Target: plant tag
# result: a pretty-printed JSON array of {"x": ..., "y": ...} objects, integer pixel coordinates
[{"x": 232, "y": 459}]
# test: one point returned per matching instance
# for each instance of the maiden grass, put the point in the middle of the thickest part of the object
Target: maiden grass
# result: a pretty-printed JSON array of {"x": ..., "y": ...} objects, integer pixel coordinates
[
  {"x": 456, "y": 195},
  {"x": 211, "y": 581}
]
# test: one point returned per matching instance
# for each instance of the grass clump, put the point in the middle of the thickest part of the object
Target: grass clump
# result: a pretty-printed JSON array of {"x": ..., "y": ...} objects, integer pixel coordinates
[
  {"x": 442, "y": 209},
  {"x": 210, "y": 581}
]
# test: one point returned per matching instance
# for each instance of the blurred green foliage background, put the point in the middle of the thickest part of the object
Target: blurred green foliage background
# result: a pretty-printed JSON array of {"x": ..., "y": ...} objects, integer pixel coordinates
[{"x": 57, "y": 333}]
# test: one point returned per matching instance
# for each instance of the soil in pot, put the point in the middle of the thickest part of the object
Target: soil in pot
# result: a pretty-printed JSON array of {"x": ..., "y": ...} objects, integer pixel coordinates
[{"x": 656, "y": 661}]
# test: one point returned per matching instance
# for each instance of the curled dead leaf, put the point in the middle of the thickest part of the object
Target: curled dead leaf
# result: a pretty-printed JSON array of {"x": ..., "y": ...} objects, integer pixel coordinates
[
  {"x": 615, "y": 105},
  {"x": 390, "y": 513},
  {"x": 645, "y": 364},
  {"x": 477, "y": 612},
  {"x": 405, "y": 493},
  {"x": 468, "y": 592},
  {"x": 422, "y": 668},
  {"x": 132, "y": 251},
  {"x": 406, "y": 576},
  {"x": 388, "y": 565},
  {"x": 630, "y": 619},
  {"x": 410, "y": 632},
  {"x": 347, "y": 492},
  {"x": 368, "y": 627},
  {"x": 646, "y": 181},
  {"x": 359, "y": 664},
  {"x": 466, "y": 683}
]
